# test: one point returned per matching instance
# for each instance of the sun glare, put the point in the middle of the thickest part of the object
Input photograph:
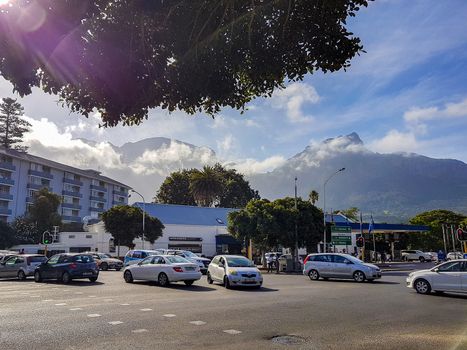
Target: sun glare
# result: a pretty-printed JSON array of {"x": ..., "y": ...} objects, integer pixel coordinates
[{"x": 4, "y": 2}]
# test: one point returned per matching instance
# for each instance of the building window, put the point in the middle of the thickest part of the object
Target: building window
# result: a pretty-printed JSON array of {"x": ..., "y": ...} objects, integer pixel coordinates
[
  {"x": 4, "y": 204},
  {"x": 5, "y": 159},
  {"x": 4, "y": 189},
  {"x": 5, "y": 174},
  {"x": 71, "y": 236},
  {"x": 70, "y": 188},
  {"x": 88, "y": 236},
  {"x": 99, "y": 194}
]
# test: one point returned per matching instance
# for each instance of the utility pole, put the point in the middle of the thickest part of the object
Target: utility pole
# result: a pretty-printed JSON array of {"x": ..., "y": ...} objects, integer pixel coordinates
[
  {"x": 453, "y": 238},
  {"x": 144, "y": 212},
  {"x": 444, "y": 238},
  {"x": 324, "y": 204},
  {"x": 296, "y": 229}
]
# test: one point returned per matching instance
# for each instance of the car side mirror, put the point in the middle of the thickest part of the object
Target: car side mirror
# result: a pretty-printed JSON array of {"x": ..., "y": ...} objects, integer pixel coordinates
[
  {"x": 436, "y": 270},
  {"x": 221, "y": 265}
]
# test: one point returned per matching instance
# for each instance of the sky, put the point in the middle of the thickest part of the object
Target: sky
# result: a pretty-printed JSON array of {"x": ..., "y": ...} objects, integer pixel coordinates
[{"x": 407, "y": 93}]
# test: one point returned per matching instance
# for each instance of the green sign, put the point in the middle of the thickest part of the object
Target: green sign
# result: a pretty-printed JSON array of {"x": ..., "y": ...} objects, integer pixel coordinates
[{"x": 341, "y": 235}]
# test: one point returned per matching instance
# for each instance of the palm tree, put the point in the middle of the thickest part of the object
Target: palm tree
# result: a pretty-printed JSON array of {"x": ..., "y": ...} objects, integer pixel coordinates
[
  {"x": 205, "y": 186},
  {"x": 313, "y": 197}
]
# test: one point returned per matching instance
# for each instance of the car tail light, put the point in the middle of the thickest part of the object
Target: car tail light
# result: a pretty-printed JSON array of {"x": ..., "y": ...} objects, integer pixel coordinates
[
  {"x": 306, "y": 259},
  {"x": 73, "y": 266},
  {"x": 178, "y": 269}
]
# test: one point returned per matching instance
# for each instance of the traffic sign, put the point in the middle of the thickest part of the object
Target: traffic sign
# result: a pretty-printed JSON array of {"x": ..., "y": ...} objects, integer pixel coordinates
[{"x": 341, "y": 235}]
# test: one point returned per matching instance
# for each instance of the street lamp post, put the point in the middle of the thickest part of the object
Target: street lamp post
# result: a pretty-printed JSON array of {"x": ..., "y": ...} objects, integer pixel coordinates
[
  {"x": 324, "y": 204},
  {"x": 144, "y": 212},
  {"x": 296, "y": 230}
]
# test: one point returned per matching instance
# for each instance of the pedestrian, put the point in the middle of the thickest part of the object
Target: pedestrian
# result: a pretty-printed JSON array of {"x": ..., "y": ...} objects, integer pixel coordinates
[
  {"x": 383, "y": 257},
  {"x": 269, "y": 261},
  {"x": 441, "y": 255},
  {"x": 277, "y": 263}
]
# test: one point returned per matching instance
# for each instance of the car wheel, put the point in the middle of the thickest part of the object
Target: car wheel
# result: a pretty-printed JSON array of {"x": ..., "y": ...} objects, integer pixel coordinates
[
  {"x": 314, "y": 275},
  {"x": 189, "y": 283},
  {"x": 66, "y": 278},
  {"x": 21, "y": 275},
  {"x": 118, "y": 268},
  {"x": 128, "y": 277},
  {"x": 209, "y": 278},
  {"x": 93, "y": 279},
  {"x": 163, "y": 280},
  {"x": 104, "y": 267},
  {"x": 422, "y": 286},
  {"x": 37, "y": 277},
  {"x": 422, "y": 259},
  {"x": 358, "y": 276},
  {"x": 226, "y": 282}
]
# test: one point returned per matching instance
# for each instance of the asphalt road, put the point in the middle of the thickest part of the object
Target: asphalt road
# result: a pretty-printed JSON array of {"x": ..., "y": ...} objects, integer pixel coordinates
[{"x": 114, "y": 315}]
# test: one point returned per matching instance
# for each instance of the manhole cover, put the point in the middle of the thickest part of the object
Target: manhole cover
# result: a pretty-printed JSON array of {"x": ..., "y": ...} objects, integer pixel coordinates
[{"x": 288, "y": 339}]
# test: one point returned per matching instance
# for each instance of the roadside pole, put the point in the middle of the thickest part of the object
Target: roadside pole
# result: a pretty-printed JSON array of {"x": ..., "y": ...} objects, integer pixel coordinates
[
  {"x": 465, "y": 247},
  {"x": 453, "y": 239},
  {"x": 444, "y": 238}
]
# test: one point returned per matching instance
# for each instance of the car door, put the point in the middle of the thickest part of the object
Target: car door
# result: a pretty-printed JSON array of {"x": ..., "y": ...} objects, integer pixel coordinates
[
  {"x": 49, "y": 270},
  {"x": 10, "y": 269},
  {"x": 220, "y": 269},
  {"x": 341, "y": 267},
  {"x": 140, "y": 270},
  {"x": 448, "y": 277},
  {"x": 464, "y": 277}
]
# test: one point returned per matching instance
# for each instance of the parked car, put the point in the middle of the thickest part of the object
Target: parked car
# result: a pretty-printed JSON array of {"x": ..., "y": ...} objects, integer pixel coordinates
[
  {"x": 20, "y": 266},
  {"x": 106, "y": 262},
  {"x": 450, "y": 276},
  {"x": 5, "y": 254},
  {"x": 67, "y": 267},
  {"x": 203, "y": 263},
  {"x": 335, "y": 265},
  {"x": 434, "y": 256},
  {"x": 410, "y": 255},
  {"x": 454, "y": 256},
  {"x": 234, "y": 270},
  {"x": 164, "y": 269},
  {"x": 135, "y": 256}
]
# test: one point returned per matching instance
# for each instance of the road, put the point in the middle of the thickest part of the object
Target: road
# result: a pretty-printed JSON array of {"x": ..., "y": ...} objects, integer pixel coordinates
[{"x": 114, "y": 315}]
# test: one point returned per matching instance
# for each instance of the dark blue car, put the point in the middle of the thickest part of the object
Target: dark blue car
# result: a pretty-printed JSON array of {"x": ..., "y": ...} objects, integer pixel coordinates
[{"x": 67, "y": 267}]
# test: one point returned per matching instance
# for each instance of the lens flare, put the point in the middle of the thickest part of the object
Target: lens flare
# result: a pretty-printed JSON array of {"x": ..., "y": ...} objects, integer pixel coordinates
[{"x": 4, "y": 2}]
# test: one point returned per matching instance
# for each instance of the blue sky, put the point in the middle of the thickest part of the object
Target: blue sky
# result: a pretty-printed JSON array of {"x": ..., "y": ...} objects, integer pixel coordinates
[{"x": 408, "y": 93}]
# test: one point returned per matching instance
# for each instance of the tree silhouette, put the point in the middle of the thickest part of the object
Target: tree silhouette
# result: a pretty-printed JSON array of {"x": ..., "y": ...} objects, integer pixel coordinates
[{"x": 12, "y": 126}]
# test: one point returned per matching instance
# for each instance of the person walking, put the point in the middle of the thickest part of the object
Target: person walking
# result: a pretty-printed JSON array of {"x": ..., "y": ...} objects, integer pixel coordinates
[{"x": 269, "y": 262}]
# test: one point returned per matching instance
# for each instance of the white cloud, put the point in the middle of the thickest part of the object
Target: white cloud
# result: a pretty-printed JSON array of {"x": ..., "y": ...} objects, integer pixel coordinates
[
  {"x": 293, "y": 98},
  {"x": 450, "y": 110},
  {"x": 252, "y": 166},
  {"x": 226, "y": 144},
  {"x": 396, "y": 141}
]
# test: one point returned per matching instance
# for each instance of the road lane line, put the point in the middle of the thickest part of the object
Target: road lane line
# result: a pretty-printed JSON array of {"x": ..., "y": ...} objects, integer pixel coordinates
[
  {"x": 114, "y": 323},
  {"x": 169, "y": 315},
  {"x": 76, "y": 309},
  {"x": 142, "y": 330},
  {"x": 232, "y": 331},
  {"x": 94, "y": 315},
  {"x": 198, "y": 323},
  {"x": 145, "y": 309},
  {"x": 60, "y": 304}
]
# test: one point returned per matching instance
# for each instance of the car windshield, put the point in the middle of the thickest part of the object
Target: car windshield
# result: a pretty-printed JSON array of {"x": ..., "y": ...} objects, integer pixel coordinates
[
  {"x": 190, "y": 254},
  {"x": 239, "y": 262},
  {"x": 353, "y": 259},
  {"x": 104, "y": 256},
  {"x": 176, "y": 259}
]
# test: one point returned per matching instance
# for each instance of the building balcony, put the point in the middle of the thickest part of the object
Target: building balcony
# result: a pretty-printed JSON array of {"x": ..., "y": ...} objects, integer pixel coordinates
[
  {"x": 99, "y": 188},
  {"x": 118, "y": 203},
  {"x": 98, "y": 199},
  {"x": 73, "y": 182},
  {"x": 71, "y": 206},
  {"x": 120, "y": 193},
  {"x": 42, "y": 174},
  {"x": 6, "y": 196},
  {"x": 72, "y": 194},
  {"x": 98, "y": 210},
  {"x": 7, "y": 166},
  {"x": 5, "y": 181},
  {"x": 5, "y": 211},
  {"x": 30, "y": 199},
  {"x": 71, "y": 218},
  {"x": 39, "y": 187}
]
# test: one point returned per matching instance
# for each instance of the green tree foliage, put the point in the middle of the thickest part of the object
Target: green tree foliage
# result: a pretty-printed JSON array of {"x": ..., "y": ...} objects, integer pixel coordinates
[
  {"x": 125, "y": 222},
  {"x": 7, "y": 236},
  {"x": 176, "y": 189},
  {"x": 313, "y": 197},
  {"x": 191, "y": 55},
  {"x": 12, "y": 126},
  {"x": 206, "y": 186},
  {"x": 433, "y": 240},
  {"x": 270, "y": 224},
  {"x": 26, "y": 232},
  {"x": 229, "y": 188}
]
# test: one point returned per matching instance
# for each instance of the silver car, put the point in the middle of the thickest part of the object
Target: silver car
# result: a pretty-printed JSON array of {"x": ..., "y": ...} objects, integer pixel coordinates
[
  {"x": 333, "y": 265},
  {"x": 20, "y": 266}
]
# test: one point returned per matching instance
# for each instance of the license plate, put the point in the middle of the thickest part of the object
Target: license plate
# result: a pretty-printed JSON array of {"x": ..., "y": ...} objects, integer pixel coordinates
[
  {"x": 249, "y": 281},
  {"x": 189, "y": 268}
]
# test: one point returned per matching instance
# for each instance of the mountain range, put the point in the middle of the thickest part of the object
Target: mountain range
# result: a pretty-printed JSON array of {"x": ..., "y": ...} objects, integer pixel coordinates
[{"x": 391, "y": 187}]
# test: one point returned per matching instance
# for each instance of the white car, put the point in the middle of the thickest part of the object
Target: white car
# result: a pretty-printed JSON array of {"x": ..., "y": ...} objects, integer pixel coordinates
[
  {"x": 234, "y": 270},
  {"x": 409, "y": 255},
  {"x": 450, "y": 276},
  {"x": 203, "y": 263},
  {"x": 454, "y": 256},
  {"x": 164, "y": 269}
]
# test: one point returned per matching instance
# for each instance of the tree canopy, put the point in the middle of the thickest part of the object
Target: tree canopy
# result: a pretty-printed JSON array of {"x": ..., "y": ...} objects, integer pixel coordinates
[
  {"x": 433, "y": 240},
  {"x": 211, "y": 185},
  {"x": 12, "y": 126},
  {"x": 7, "y": 236},
  {"x": 123, "y": 57},
  {"x": 125, "y": 222}
]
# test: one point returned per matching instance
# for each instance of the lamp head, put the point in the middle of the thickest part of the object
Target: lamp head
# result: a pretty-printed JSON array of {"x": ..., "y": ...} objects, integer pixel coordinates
[{"x": 341, "y": 169}]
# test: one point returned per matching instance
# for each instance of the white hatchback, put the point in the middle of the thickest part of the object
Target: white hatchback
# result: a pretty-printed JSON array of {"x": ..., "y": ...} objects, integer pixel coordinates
[
  {"x": 234, "y": 270},
  {"x": 164, "y": 269},
  {"x": 450, "y": 276}
]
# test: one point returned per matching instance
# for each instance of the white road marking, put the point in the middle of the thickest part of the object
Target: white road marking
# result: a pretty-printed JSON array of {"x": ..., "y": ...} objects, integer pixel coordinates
[
  {"x": 142, "y": 330},
  {"x": 47, "y": 300},
  {"x": 65, "y": 290},
  {"x": 78, "y": 292},
  {"x": 114, "y": 323},
  {"x": 60, "y": 304},
  {"x": 92, "y": 296},
  {"x": 146, "y": 309},
  {"x": 94, "y": 315},
  {"x": 108, "y": 300},
  {"x": 198, "y": 323},
  {"x": 76, "y": 309},
  {"x": 169, "y": 315},
  {"x": 232, "y": 331},
  {"x": 124, "y": 304},
  {"x": 34, "y": 296}
]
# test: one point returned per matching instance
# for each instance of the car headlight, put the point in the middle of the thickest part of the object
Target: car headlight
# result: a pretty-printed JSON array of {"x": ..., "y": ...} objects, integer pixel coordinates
[{"x": 233, "y": 272}]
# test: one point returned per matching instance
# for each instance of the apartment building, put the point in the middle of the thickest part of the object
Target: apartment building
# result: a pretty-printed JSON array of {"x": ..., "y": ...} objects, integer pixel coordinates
[{"x": 85, "y": 193}]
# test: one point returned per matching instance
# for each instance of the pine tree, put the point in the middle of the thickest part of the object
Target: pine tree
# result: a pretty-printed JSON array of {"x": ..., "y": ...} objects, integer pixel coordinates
[{"x": 12, "y": 126}]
